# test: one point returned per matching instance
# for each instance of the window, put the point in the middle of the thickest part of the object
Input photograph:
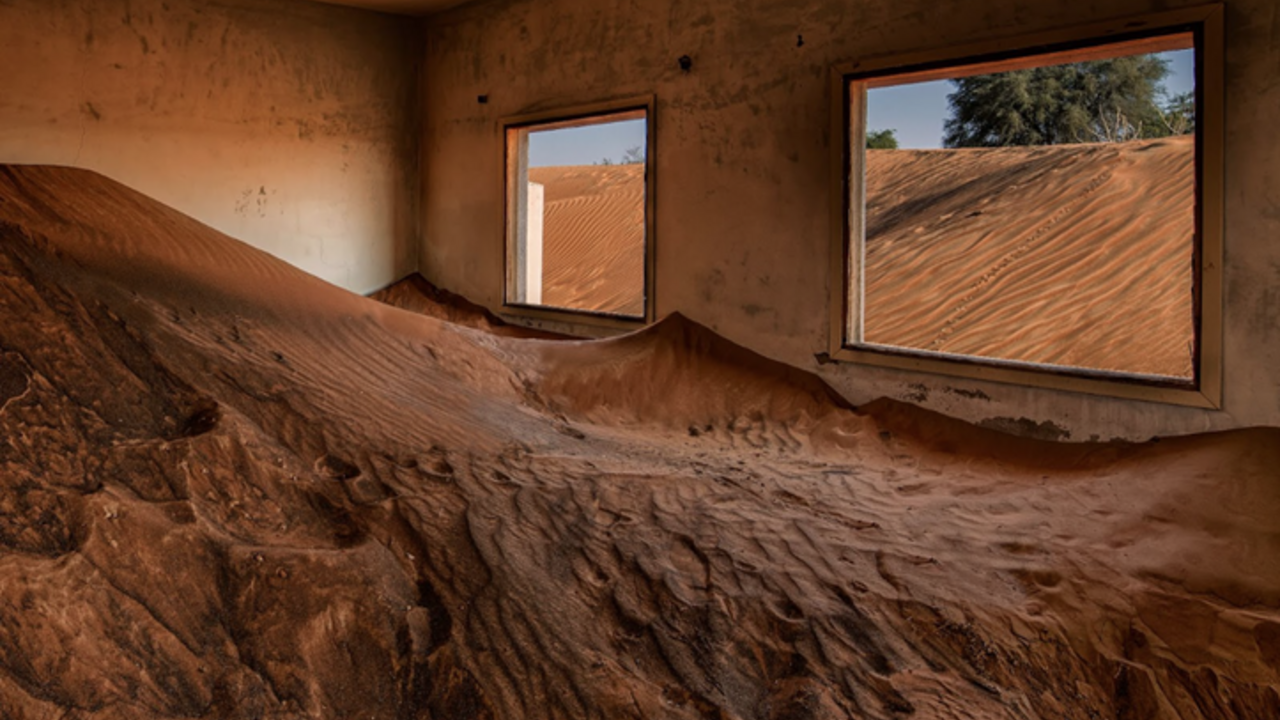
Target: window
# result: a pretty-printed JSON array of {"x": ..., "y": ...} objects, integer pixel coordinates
[
  {"x": 1043, "y": 211},
  {"x": 579, "y": 242}
]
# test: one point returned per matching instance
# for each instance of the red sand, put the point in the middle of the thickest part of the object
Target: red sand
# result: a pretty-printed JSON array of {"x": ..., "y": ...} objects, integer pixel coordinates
[
  {"x": 231, "y": 490},
  {"x": 1069, "y": 255},
  {"x": 593, "y": 236},
  {"x": 415, "y": 294},
  {"x": 1032, "y": 254}
]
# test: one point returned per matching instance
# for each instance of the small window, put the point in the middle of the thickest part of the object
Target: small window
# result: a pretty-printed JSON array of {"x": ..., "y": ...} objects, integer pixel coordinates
[
  {"x": 579, "y": 214},
  {"x": 1045, "y": 216}
]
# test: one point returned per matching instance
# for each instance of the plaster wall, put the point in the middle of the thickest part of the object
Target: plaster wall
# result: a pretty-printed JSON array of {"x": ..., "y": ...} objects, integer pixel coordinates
[
  {"x": 287, "y": 124},
  {"x": 742, "y": 162}
]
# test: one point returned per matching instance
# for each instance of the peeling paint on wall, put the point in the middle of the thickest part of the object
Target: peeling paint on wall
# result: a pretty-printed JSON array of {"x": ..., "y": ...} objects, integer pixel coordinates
[{"x": 1044, "y": 430}]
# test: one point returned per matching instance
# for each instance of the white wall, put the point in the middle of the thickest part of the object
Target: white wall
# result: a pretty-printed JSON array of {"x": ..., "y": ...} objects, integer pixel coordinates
[{"x": 287, "y": 124}]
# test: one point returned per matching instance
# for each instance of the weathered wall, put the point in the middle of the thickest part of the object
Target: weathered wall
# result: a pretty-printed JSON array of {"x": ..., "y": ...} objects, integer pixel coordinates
[
  {"x": 742, "y": 168},
  {"x": 287, "y": 124}
]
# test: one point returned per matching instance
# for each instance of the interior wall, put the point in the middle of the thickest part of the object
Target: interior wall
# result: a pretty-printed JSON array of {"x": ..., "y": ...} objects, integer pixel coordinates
[
  {"x": 742, "y": 157},
  {"x": 287, "y": 124}
]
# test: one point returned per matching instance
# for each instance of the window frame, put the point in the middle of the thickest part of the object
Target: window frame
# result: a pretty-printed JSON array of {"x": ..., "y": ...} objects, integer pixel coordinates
[
  {"x": 848, "y": 128},
  {"x": 569, "y": 117}
]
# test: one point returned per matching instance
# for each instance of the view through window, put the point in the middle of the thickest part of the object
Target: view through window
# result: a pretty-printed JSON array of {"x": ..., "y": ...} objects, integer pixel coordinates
[
  {"x": 1035, "y": 209},
  {"x": 577, "y": 214}
]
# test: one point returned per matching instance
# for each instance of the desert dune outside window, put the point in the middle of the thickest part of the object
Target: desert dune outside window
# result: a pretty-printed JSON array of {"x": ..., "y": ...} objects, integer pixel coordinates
[
  {"x": 579, "y": 214},
  {"x": 1042, "y": 211}
]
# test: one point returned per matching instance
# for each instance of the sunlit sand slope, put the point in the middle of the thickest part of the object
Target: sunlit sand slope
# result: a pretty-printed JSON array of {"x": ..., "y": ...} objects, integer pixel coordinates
[
  {"x": 594, "y": 237},
  {"x": 415, "y": 294},
  {"x": 230, "y": 490},
  {"x": 1071, "y": 255}
]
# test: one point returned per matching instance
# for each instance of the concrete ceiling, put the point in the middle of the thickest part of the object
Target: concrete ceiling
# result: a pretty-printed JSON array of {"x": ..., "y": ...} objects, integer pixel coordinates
[{"x": 401, "y": 7}]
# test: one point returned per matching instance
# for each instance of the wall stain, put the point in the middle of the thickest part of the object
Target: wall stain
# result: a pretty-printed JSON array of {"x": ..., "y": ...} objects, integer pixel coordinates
[
  {"x": 970, "y": 394},
  {"x": 253, "y": 202},
  {"x": 90, "y": 112},
  {"x": 917, "y": 393},
  {"x": 710, "y": 285}
]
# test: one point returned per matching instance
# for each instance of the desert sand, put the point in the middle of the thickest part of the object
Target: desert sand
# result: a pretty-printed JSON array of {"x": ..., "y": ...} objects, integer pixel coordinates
[
  {"x": 594, "y": 237},
  {"x": 415, "y": 294},
  {"x": 230, "y": 490},
  {"x": 1074, "y": 255}
]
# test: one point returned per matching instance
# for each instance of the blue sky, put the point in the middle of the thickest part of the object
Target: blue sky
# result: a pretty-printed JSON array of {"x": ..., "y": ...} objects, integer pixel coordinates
[
  {"x": 916, "y": 112},
  {"x": 585, "y": 144}
]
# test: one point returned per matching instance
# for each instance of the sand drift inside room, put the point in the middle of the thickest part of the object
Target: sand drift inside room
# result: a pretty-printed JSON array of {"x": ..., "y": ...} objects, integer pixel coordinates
[{"x": 563, "y": 359}]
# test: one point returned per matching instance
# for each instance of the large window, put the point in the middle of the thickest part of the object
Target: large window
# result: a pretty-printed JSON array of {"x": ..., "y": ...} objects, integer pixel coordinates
[
  {"x": 1043, "y": 211},
  {"x": 579, "y": 242}
]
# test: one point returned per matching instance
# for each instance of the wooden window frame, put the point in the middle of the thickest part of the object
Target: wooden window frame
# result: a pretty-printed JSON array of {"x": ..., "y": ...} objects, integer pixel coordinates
[
  {"x": 848, "y": 124},
  {"x": 574, "y": 116}
]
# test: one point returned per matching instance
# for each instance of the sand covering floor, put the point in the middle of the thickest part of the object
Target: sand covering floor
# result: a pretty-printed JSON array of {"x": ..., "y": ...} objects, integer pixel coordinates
[{"x": 230, "y": 490}]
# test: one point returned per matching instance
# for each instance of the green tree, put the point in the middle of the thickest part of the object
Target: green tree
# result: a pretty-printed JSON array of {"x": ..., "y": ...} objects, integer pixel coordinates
[
  {"x": 1179, "y": 114},
  {"x": 882, "y": 139},
  {"x": 1109, "y": 100},
  {"x": 634, "y": 155}
]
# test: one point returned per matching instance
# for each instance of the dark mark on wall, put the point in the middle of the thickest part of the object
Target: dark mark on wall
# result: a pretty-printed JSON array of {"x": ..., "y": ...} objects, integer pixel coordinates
[
  {"x": 711, "y": 284},
  {"x": 89, "y": 111},
  {"x": 1025, "y": 427},
  {"x": 799, "y": 41},
  {"x": 918, "y": 393},
  {"x": 482, "y": 99},
  {"x": 251, "y": 201},
  {"x": 971, "y": 394},
  {"x": 753, "y": 309},
  {"x": 686, "y": 63}
]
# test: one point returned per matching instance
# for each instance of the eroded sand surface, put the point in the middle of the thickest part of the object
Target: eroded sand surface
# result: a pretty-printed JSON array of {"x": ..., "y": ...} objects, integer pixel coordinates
[{"x": 233, "y": 491}]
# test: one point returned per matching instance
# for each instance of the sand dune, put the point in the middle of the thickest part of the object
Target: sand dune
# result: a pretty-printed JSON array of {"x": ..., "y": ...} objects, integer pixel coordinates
[
  {"x": 416, "y": 294},
  {"x": 1070, "y": 255},
  {"x": 230, "y": 490},
  {"x": 1030, "y": 254},
  {"x": 594, "y": 237}
]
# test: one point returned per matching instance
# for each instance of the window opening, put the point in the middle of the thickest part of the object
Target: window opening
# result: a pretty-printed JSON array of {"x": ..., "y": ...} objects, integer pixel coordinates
[
  {"x": 579, "y": 206},
  {"x": 1043, "y": 211}
]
